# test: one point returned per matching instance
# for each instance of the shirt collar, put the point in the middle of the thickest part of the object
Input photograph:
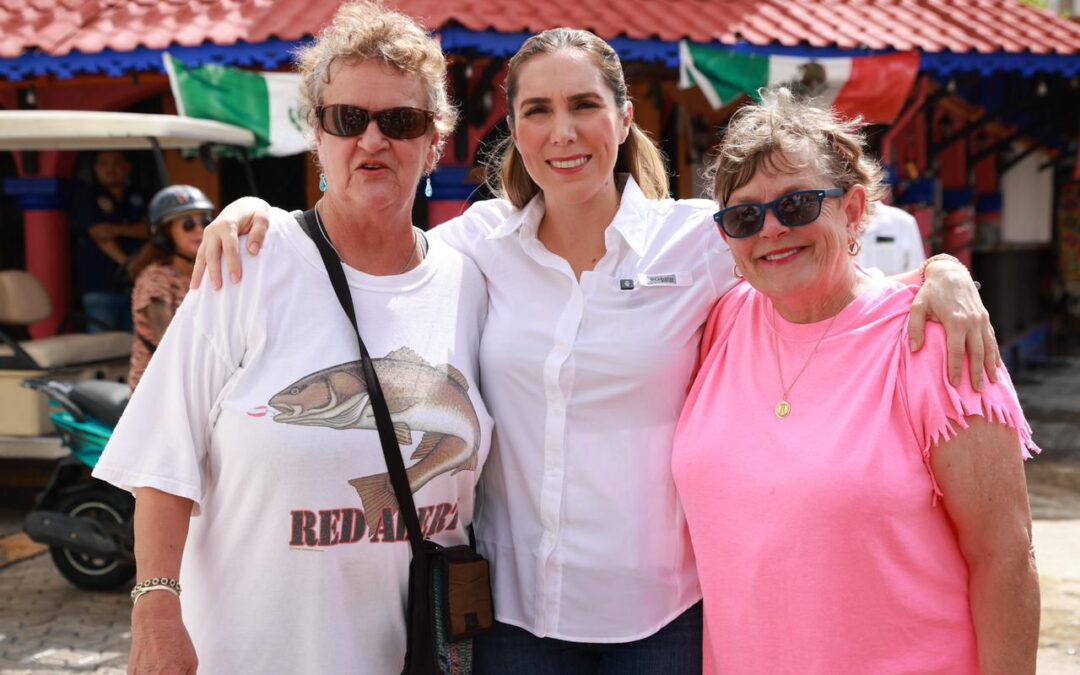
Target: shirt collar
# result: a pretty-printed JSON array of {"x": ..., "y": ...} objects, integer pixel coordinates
[
  {"x": 630, "y": 220},
  {"x": 531, "y": 215}
]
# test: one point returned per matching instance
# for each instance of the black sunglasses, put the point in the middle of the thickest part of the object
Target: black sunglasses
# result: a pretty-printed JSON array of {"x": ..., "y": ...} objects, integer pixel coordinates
[
  {"x": 792, "y": 210},
  {"x": 191, "y": 222},
  {"x": 397, "y": 123}
]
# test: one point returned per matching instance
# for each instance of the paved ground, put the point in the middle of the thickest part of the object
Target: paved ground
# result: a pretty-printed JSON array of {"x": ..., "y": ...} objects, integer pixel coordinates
[
  {"x": 1052, "y": 404},
  {"x": 48, "y": 627}
]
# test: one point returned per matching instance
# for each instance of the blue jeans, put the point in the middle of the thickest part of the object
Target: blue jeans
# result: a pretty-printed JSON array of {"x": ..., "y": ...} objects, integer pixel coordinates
[
  {"x": 112, "y": 309},
  {"x": 673, "y": 650}
]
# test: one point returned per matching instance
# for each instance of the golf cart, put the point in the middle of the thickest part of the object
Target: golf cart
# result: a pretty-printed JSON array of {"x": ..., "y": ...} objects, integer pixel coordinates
[
  {"x": 25, "y": 429},
  {"x": 61, "y": 396}
]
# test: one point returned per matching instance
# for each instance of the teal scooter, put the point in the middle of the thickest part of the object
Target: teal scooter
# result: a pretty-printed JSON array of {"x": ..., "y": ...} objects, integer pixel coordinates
[{"x": 86, "y": 523}]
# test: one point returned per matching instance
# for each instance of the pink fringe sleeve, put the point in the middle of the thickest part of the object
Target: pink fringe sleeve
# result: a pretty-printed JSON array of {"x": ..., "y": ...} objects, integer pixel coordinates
[{"x": 937, "y": 409}]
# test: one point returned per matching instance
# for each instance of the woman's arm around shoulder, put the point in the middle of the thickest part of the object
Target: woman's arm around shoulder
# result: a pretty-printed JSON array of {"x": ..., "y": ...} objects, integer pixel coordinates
[
  {"x": 468, "y": 232},
  {"x": 220, "y": 247},
  {"x": 935, "y": 403},
  {"x": 949, "y": 296},
  {"x": 221, "y": 239}
]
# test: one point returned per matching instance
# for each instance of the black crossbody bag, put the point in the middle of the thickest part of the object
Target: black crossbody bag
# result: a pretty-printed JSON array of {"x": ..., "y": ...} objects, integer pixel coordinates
[{"x": 449, "y": 599}]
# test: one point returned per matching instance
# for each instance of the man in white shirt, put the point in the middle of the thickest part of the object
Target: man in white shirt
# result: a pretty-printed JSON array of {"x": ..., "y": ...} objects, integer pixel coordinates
[{"x": 892, "y": 241}]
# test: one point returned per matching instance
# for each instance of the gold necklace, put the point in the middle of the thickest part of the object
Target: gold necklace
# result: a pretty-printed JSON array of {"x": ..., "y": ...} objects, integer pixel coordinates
[
  {"x": 326, "y": 236},
  {"x": 783, "y": 408}
]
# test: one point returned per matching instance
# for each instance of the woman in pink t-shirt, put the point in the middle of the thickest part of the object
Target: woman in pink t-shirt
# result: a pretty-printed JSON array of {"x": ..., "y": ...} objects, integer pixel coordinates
[{"x": 851, "y": 511}]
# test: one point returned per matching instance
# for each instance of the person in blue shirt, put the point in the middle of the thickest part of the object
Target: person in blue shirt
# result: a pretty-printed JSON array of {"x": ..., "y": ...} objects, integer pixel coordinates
[{"x": 108, "y": 226}]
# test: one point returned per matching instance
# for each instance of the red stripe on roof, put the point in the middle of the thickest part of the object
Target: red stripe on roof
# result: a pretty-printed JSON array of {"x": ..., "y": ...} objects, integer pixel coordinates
[{"x": 57, "y": 27}]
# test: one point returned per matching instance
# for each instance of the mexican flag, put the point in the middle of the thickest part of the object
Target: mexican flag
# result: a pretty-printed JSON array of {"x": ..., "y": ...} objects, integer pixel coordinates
[
  {"x": 268, "y": 104},
  {"x": 874, "y": 87}
]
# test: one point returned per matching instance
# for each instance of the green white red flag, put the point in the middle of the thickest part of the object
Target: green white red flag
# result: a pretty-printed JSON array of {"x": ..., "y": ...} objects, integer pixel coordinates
[
  {"x": 269, "y": 104},
  {"x": 873, "y": 87}
]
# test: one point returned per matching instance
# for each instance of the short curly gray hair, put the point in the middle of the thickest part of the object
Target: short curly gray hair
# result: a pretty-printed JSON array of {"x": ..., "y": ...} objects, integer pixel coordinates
[
  {"x": 782, "y": 128},
  {"x": 367, "y": 31}
]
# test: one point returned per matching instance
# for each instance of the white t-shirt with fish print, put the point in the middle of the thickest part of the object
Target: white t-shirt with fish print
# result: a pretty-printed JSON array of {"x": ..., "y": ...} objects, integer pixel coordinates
[{"x": 253, "y": 407}]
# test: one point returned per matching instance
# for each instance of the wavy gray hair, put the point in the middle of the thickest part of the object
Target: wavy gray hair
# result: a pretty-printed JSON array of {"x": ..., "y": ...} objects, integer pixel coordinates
[
  {"x": 367, "y": 31},
  {"x": 781, "y": 129}
]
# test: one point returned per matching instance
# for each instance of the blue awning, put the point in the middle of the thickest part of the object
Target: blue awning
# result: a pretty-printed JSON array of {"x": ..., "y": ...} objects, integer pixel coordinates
[{"x": 274, "y": 54}]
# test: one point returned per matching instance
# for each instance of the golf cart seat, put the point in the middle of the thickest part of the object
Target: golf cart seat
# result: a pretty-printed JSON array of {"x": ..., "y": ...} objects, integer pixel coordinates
[
  {"x": 23, "y": 301},
  {"x": 72, "y": 358}
]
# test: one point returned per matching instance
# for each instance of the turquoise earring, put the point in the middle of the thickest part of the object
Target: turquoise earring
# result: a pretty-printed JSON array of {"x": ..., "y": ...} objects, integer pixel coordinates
[
  {"x": 427, "y": 188},
  {"x": 322, "y": 182}
]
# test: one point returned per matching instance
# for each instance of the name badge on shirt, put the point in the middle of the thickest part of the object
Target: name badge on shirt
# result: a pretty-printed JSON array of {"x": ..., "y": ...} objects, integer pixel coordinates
[{"x": 673, "y": 279}]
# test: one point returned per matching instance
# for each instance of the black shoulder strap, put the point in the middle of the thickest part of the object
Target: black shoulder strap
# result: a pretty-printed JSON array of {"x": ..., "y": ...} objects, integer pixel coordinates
[{"x": 391, "y": 450}]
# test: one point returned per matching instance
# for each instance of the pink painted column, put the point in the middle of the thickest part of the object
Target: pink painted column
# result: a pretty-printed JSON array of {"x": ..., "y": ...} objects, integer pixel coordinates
[{"x": 47, "y": 243}]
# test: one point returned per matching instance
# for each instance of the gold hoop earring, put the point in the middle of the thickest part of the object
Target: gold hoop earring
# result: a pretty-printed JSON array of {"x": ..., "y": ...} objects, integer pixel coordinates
[
  {"x": 854, "y": 247},
  {"x": 735, "y": 270}
]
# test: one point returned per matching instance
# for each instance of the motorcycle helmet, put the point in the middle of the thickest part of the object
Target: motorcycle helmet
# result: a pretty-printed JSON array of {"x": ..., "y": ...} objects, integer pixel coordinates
[{"x": 171, "y": 202}]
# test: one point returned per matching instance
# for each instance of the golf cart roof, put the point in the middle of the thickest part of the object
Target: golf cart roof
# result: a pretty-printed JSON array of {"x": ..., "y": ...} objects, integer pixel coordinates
[{"x": 96, "y": 130}]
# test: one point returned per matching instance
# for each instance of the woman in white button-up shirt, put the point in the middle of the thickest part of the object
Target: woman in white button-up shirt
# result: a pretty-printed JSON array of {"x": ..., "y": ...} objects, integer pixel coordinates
[{"x": 599, "y": 286}]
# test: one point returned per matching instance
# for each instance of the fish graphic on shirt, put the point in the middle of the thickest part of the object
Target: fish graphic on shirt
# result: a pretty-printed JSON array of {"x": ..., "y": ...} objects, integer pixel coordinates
[{"x": 421, "y": 397}]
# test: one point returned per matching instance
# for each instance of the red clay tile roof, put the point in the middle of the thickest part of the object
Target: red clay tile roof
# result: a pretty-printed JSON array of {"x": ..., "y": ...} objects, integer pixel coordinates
[{"x": 57, "y": 27}]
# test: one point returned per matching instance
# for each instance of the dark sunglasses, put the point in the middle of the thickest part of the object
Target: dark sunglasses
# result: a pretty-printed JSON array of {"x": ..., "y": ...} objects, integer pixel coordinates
[
  {"x": 191, "y": 222},
  {"x": 397, "y": 123},
  {"x": 792, "y": 210}
]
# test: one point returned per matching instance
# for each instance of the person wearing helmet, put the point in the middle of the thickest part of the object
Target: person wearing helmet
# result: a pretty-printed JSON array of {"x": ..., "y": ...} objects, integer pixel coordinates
[{"x": 162, "y": 270}]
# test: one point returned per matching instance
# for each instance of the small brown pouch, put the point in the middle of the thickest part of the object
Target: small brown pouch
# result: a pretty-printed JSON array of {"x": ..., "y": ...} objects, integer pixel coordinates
[{"x": 469, "y": 608}]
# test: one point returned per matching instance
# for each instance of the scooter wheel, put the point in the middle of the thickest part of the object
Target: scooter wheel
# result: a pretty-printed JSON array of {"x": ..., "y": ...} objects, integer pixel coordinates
[{"x": 113, "y": 508}]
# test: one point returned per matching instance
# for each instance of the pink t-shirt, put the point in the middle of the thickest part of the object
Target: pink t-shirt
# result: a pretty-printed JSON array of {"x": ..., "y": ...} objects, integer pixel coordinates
[{"x": 821, "y": 544}]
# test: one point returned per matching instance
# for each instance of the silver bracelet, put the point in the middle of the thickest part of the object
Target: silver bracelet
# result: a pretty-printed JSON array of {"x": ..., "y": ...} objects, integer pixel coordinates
[{"x": 155, "y": 584}]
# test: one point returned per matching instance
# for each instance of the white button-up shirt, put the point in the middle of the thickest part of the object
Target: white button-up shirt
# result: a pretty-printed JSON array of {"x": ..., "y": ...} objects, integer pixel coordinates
[
  {"x": 586, "y": 380},
  {"x": 892, "y": 241}
]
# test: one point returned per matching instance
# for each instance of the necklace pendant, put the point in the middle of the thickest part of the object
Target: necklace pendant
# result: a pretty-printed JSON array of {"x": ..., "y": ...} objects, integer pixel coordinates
[{"x": 783, "y": 409}]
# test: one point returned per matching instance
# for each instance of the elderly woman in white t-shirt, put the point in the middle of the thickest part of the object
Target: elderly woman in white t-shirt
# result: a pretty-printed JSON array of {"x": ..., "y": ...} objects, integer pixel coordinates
[
  {"x": 253, "y": 414},
  {"x": 599, "y": 285}
]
